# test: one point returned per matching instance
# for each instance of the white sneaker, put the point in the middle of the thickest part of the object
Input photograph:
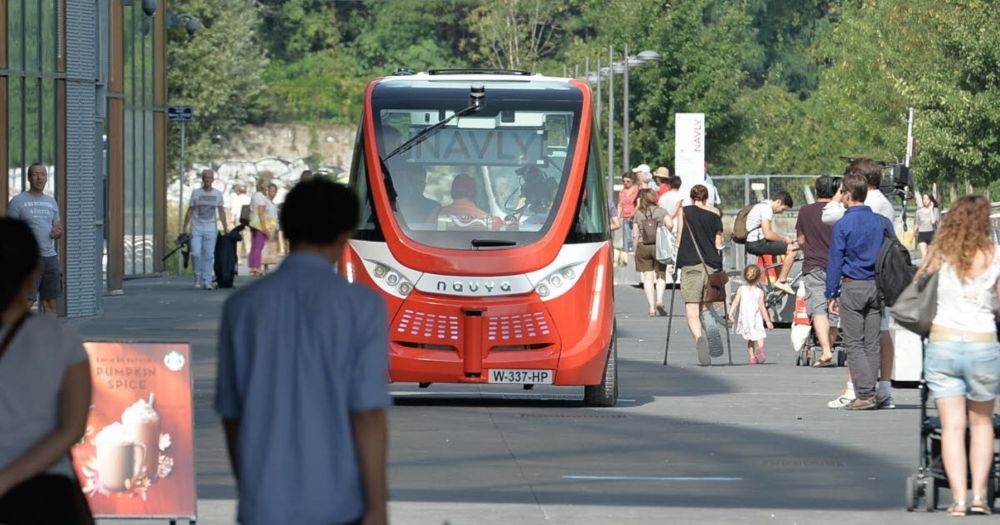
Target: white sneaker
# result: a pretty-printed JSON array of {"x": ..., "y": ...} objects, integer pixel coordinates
[
  {"x": 198, "y": 285},
  {"x": 211, "y": 286},
  {"x": 886, "y": 402},
  {"x": 841, "y": 401}
]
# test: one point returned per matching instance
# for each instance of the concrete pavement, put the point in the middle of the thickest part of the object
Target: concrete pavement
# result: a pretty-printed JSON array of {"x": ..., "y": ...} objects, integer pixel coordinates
[{"x": 740, "y": 444}]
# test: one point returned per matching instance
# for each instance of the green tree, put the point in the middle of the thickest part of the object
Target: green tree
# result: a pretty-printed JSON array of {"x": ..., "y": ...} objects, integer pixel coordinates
[
  {"x": 517, "y": 34},
  {"x": 292, "y": 29},
  {"x": 217, "y": 71}
]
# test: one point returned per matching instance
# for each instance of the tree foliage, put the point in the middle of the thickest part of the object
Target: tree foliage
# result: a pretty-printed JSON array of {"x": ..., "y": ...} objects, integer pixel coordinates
[
  {"x": 217, "y": 71},
  {"x": 786, "y": 85}
]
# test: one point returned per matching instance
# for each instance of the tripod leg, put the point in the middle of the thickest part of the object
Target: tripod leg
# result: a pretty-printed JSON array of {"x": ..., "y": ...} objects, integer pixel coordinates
[{"x": 670, "y": 316}]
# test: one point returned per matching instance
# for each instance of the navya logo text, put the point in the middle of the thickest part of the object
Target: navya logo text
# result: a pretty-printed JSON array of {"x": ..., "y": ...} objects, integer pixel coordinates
[{"x": 473, "y": 287}]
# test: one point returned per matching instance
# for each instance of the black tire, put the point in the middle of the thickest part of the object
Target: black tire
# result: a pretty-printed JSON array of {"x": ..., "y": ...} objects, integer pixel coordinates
[
  {"x": 930, "y": 494},
  {"x": 605, "y": 394},
  {"x": 911, "y": 494}
]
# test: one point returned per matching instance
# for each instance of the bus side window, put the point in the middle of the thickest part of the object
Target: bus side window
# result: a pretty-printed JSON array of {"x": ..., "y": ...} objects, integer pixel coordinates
[{"x": 591, "y": 224}]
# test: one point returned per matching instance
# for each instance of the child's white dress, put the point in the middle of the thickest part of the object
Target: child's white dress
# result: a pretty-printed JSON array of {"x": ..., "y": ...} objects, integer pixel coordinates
[{"x": 749, "y": 322}]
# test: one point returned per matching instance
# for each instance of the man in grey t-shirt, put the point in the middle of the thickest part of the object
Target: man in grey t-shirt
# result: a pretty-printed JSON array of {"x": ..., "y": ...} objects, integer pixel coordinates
[{"x": 41, "y": 212}]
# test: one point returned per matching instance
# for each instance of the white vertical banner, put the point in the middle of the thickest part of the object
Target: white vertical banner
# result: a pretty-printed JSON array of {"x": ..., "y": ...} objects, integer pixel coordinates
[{"x": 689, "y": 149}]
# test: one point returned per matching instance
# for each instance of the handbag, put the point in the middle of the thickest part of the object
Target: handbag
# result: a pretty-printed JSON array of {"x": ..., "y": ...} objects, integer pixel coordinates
[
  {"x": 715, "y": 288},
  {"x": 664, "y": 246},
  {"x": 916, "y": 307},
  {"x": 44, "y": 498}
]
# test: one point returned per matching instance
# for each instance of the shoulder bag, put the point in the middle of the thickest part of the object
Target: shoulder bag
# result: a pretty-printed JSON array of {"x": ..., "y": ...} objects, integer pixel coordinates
[
  {"x": 715, "y": 287},
  {"x": 916, "y": 307},
  {"x": 44, "y": 498}
]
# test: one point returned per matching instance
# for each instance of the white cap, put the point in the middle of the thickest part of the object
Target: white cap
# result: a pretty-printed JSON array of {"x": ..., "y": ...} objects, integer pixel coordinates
[{"x": 641, "y": 168}]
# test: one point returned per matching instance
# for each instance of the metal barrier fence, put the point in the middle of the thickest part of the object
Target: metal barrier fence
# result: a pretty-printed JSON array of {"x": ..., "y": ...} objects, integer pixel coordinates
[{"x": 736, "y": 191}]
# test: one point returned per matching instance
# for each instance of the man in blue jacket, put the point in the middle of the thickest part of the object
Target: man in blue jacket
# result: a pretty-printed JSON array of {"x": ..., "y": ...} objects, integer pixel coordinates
[{"x": 850, "y": 286}]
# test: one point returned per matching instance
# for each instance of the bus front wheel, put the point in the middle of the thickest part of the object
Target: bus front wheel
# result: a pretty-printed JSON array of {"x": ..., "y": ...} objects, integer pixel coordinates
[{"x": 605, "y": 394}]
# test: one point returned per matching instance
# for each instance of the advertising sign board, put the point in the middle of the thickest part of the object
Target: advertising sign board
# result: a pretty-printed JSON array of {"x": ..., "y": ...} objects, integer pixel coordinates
[{"x": 136, "y": 458}]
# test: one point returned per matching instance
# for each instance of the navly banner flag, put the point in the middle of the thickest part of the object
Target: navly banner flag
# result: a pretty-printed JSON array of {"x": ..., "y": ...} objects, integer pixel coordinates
[
  {"x": 137, "y": 456},
  {"x": 689, "y": 149}
]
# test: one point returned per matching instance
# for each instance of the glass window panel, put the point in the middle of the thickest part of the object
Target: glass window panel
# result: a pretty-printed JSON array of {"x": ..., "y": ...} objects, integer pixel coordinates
[
  {"x": 150, "y": 154},
  {"x": 15, "y": 128},
  {"x": 129, "y": 57},
  {"x": 15, "y": 34},
  {"x": 32, "y": 40},
  {"x": 32, "y": 122},
  {"x": 50, "y": 31},
  {"x": 129, "y": 191},
  {"x": 48, "y": 145},
  {"x": 147, "y": 67}
]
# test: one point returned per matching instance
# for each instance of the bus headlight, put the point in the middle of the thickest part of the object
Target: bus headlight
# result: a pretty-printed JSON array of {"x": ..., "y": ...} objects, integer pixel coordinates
[
  {"x": 390, "y": 280},
  {"x": 558, "y": 282}
]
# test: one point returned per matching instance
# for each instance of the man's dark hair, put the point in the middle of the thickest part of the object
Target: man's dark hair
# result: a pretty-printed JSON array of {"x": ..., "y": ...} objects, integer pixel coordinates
[
  {"x": 628, "y": 175},
  {"x": 856, "y": 186},
  {"x": 784, "y": 197},
  {"x": 867, "y": 168},
  {"x": 18, "y": 257},
  {"x": 33, "y": 166},
  {"x": 675, "y": 182},
  {"x": 827, "y": 186},
  {"x": 319, "y": 211}
]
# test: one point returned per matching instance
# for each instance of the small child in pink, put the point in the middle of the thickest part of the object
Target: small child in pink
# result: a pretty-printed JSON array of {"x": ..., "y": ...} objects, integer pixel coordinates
[{"x": 750, "y": 315}]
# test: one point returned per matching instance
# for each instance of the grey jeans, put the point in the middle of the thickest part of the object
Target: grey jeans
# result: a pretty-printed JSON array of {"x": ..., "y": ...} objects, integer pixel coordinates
[{"x": 860, "y": 322}]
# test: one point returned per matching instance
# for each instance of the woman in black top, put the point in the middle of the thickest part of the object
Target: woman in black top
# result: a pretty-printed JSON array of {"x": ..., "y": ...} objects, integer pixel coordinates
[{"x": 702, "y": 225}]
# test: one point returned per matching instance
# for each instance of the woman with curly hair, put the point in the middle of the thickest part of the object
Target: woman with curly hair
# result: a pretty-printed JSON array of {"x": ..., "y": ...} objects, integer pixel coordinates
[{"x": 962, "y": 361}]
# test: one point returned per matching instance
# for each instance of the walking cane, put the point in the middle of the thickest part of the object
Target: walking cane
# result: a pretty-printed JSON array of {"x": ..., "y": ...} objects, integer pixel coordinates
[
  {"x": 725, "y": 313},
  {"x": 670, "y": 316}
]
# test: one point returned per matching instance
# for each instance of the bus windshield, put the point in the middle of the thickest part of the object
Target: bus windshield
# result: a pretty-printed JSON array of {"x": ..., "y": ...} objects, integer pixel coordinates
[{"x": 494, "y": 178}]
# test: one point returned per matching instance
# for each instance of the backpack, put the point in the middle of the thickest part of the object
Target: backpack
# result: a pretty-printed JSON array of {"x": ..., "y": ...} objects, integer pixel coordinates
[
  {"x": 647, "y": 228},
  {"x": 893, "y": 269},
  {"x": 740, "y": 232}
]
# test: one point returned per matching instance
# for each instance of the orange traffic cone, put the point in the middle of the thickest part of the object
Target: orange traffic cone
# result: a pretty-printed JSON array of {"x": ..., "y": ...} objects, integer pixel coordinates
[
  {"x": 800, "y": 321},
  {"x": 800, "y": 317}
]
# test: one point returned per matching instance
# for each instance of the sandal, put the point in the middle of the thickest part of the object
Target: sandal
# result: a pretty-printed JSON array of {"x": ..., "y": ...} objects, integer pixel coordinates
[
  {"x": 980, "y": 506},
  {"x": 660, "y": 309},
  {"x": 824, "y": 363},
  {"x": 957, "y": 509}
]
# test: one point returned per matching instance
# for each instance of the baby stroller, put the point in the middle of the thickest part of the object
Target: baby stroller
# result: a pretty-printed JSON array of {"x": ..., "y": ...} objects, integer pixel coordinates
[
  {"x": 811, "y": 351},
  {"x": 930, "y": 477}
]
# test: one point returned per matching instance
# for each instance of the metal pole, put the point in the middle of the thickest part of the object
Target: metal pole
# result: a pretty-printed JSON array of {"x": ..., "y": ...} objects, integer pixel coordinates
[
  {"x": 625, "y": 159},
  {"x": 909, "y": 136},
  {"x": 611, "y": 112},
  {"x": 180, "y": 197},
  {"x": 611, "y": 137},
  {"x": 586, "y": 67},
  {"x": 576, "y": 70},
  {"x": 599, "y": 96}
]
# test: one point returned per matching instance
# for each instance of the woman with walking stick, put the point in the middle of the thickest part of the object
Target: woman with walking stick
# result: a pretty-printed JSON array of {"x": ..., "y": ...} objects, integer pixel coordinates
[{"x": 700, "y": 242}]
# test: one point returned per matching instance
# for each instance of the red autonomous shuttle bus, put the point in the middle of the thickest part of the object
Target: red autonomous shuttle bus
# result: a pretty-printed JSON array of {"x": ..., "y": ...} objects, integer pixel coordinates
[{"x": 485, "y": 228}]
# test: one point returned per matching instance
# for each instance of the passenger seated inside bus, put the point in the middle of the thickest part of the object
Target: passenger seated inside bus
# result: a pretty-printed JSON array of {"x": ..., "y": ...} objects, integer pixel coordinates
[
  {"x": 419, "y": 211},
  {"x": 463, "y": 213},
  {"x": 540, "y": 196}
]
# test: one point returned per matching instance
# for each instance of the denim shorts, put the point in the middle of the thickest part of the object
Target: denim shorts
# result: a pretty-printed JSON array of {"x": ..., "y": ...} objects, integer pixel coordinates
[{"x": 967, "y": 369}]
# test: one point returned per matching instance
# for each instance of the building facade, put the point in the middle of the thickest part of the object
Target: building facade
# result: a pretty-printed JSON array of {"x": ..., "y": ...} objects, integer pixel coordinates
[{"x": 83, "y": 91}]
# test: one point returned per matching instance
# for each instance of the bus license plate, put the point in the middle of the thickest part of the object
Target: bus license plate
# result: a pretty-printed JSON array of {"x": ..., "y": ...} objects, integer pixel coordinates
[{"x": 521, "y": 377}]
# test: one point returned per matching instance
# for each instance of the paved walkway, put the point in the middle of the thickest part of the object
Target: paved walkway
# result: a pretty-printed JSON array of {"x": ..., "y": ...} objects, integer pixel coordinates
[{"x": 740, "y": 444}]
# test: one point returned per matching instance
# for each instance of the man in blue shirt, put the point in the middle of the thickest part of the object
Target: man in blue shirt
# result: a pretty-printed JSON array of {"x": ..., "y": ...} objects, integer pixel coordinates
[
  {"x": 302, "y": 366},
  {"x": 850, "y": 286}
]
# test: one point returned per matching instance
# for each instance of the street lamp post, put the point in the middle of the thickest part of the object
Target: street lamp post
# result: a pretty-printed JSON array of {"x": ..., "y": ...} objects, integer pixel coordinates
[{"x": 638, "y": 60}]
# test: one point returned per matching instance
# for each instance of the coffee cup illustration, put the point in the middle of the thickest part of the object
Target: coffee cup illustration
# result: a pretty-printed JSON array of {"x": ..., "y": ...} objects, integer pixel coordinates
[
  {"x": 119, "y": 457},
  {"x": 143, "y": 422}
]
